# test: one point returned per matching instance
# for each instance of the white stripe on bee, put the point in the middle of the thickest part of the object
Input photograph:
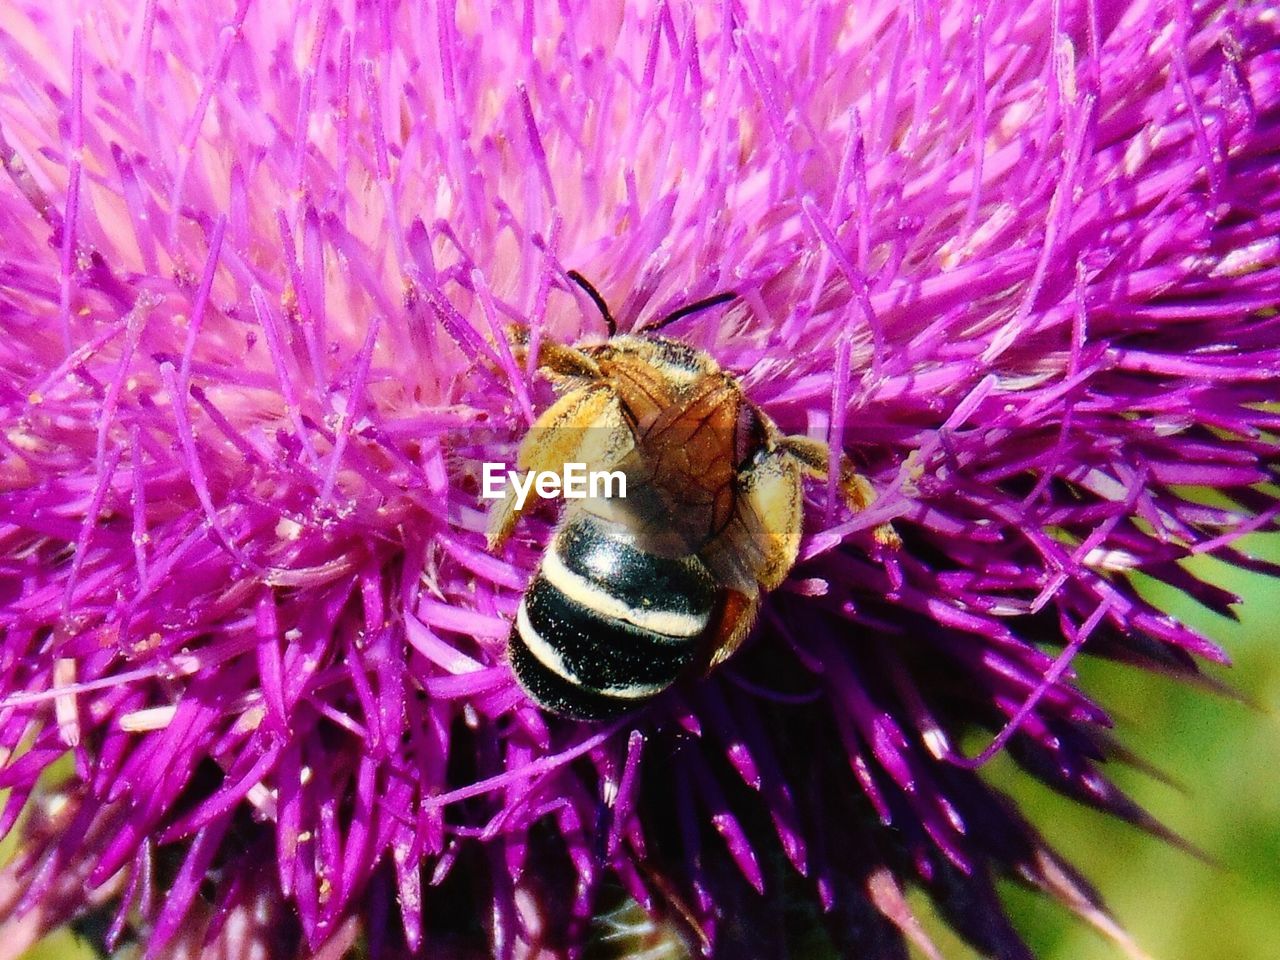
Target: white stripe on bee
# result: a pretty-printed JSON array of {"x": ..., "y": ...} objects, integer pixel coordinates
[
  {"x": 542, "y": 651},
  {"x": 668, "y": 623},
  {"x": 549, "y": 657},
  {"x": 637, "y": 691}
]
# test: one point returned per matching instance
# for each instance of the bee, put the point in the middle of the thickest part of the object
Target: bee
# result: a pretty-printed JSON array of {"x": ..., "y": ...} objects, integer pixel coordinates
[{"x": 633, "y": 593}]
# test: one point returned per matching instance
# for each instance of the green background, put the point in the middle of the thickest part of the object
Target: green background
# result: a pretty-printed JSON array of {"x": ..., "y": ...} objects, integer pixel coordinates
[{"x": 1226, "y": 757}]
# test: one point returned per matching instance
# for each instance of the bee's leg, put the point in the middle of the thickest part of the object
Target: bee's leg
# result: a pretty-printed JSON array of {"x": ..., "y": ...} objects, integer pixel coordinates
[
  {"x": 562, "y": 361},
  {"x": 557, "y": 359},
  {"x": 814, "y": 458},
  {"x": 762, "y": 542},
  {"x": 771, "y": 490},
  {"x": 736, "y": 618},
  {"x": 758, "y": 547},
  {"x": 584, "y": 426}
]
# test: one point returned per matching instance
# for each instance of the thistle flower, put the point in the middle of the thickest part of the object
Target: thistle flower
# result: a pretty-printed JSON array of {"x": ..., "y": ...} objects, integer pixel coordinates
[{"x": 1019, "y": 259}]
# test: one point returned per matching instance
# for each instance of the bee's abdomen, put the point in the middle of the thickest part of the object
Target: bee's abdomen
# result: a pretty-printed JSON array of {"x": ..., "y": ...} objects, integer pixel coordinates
[{"x": 605, "y": 625}]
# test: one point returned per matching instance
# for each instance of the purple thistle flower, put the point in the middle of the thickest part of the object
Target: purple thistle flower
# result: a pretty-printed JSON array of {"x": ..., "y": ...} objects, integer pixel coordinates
[{"x": 1021, "y": 260}]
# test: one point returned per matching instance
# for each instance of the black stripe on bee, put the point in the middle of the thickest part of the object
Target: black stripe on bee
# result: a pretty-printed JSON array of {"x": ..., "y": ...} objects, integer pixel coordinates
[
  {"x": 557, "y": 694},
  {"x": 604, "y": 625},
  {"x": 595, "y": 561},
  {"x": 599, "y": 652}
]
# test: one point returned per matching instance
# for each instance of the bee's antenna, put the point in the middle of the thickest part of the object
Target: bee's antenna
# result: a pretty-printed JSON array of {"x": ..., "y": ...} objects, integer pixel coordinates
[
  {"x": 599, "y": 301},
  {"x": 694, "y": 307}
]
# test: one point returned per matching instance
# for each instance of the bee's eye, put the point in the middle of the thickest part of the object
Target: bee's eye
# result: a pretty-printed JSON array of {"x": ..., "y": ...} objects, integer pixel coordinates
[{"x": 749, "y": 435}]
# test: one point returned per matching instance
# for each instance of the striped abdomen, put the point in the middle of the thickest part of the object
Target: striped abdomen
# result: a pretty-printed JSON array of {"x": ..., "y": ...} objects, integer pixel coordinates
[{"x": 605, "y": 625}]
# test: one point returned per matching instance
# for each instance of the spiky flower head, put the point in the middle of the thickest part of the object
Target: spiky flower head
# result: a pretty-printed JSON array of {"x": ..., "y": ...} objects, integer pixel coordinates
[{"x": 1019, "y": 259}]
